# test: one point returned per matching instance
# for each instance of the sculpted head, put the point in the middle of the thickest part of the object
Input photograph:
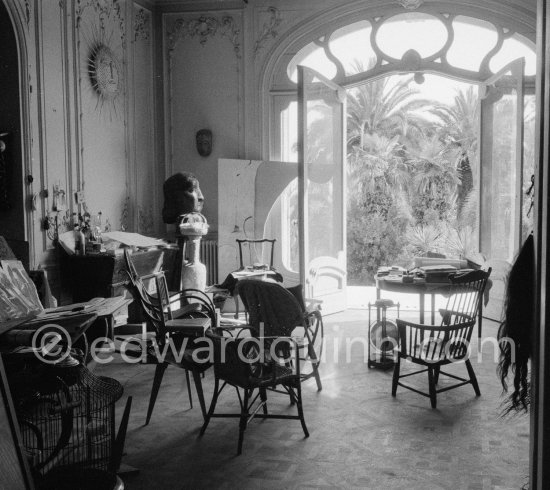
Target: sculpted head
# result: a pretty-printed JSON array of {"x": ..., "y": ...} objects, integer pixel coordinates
[
  {"x": 182, "y": 195},
  {"x": 204, "y": 142}
]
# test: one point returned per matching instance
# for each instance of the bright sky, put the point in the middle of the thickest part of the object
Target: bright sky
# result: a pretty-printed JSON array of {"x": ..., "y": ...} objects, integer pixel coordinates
[{"x": 438, "y": 88}]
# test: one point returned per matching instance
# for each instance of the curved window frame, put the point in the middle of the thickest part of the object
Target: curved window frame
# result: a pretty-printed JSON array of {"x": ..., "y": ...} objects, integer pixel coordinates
[{"x": 280, "y": 90}]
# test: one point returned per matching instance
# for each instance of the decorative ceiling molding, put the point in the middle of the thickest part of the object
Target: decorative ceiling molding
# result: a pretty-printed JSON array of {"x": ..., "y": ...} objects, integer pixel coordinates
[
  {"x": 269, "y": 29},
  {"x": 204, "y": 28},
  {"x": 410, "y": 4},
  {"x": 141, "y": 25}
]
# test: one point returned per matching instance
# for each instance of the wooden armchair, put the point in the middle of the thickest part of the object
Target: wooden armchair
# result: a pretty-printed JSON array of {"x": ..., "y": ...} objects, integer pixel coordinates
[
  {"x": 182, "y": 333},
  {"x": 435, "y": 346}
]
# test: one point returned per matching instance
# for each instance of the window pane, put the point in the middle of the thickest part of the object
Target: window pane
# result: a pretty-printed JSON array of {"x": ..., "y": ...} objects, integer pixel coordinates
[
  {"x": 289, "y": 133},
  {"x": 321, "y": 154},
  {"x": 313, "y": 57},
  {"x": 289, "y": 227},
  {"x": 499, "y": 225},
  {"x": 512, "y": 49},
  {"x": 528, "y": 164},
  {"x": 421, "y": 32},
  {"x": 473, "y": 39},
  {"x": 351, "y": 45}
]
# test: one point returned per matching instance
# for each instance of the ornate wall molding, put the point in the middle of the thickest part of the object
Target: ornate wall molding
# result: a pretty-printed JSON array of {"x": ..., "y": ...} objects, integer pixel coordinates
[
  {"x": 145, "y": 220},
  {"x": 141, "y": 26},
  {"x": 125, "y": 213},
  {"x": 206, "y": 27},
  {"x": 28, "y": 12},
  {"x": 104, "y": 9},
  {"x": 410, "y": 4},
  {"x": 110, "y": 23},
  {"x": 269, "y": 30}
]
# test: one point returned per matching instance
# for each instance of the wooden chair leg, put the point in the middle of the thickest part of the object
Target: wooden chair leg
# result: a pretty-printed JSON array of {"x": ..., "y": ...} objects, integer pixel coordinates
[
  {"x": 314, "y": 364},
  {"x": 159, "y": 373},
  {"x": 437, "y": 370},
  {"x": 212, "y": 406},
  {"x": 431, "y": 382},
  {"x": 188, "y": 388},
  {"x": 243, "y": 420},
  {"x": 300, "y": 407},
  {"x": 200, "y": 394},
  {"x": 263, "y": 397},
  {"x": 473, "y": 378},
  {"x": 395, "y": 378}
]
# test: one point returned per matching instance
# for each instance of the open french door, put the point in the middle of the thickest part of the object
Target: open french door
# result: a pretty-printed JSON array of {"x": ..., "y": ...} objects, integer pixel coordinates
[
  {"x": 501, "y": 175},
  {"x": 321, "y": 189}
]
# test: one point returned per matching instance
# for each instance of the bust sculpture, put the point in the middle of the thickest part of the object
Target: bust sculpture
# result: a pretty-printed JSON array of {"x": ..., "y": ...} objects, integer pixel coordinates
[
  {"x": 182, "y": 195},
  {"x": 183, "y": 200}
]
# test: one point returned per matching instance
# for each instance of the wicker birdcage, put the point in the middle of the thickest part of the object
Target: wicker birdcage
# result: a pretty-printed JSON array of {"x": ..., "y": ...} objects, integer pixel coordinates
[{"x": 66, "y": 416}]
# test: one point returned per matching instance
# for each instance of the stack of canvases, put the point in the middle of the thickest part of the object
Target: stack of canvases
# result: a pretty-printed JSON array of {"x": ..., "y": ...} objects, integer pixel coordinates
[{"x": 18, "y": 296}]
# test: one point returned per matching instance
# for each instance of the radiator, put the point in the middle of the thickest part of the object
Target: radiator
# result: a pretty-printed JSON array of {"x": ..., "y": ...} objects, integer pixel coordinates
[{"x": 209, "y": 257}]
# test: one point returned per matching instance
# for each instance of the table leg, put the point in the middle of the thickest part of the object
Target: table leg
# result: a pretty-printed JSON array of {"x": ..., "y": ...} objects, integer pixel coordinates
[
  {"x": 236, "y": 300},
  {"x": 377, "y": 309}
]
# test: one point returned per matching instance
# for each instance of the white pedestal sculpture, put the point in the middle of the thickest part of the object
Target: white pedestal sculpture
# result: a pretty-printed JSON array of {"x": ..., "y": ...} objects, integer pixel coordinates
[{"x": 193, "y": 227}]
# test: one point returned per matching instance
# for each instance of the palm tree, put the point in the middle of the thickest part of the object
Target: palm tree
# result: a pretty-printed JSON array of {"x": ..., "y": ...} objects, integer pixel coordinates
[
  {"x": 435, "y": 179},
  {"x": 457, "y": 126},
  {"x": 434, "y": 164},
  {"x": 458, "y": 123},
  {"x": 377, "y": 166},
  {"x": 377, "y": 107}
]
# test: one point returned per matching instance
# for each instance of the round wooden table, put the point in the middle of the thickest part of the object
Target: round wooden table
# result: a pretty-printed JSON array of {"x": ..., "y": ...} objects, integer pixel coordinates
[{"x": 422, "y": 288}]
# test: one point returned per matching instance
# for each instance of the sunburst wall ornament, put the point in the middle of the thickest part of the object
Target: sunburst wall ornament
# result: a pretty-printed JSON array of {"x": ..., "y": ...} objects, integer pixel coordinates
[{"x": 105, "y": 73}]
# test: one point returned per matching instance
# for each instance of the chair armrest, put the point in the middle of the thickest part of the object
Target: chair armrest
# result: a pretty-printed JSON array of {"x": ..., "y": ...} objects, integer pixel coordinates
[
  {"x": 448, "y": 314},
  {"x": 433, "y": 343},
  {"x": 402, "y": 324}
]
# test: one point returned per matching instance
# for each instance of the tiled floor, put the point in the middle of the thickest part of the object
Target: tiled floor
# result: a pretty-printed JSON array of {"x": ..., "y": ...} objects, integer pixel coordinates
[{"x": 360, "y": 437}]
